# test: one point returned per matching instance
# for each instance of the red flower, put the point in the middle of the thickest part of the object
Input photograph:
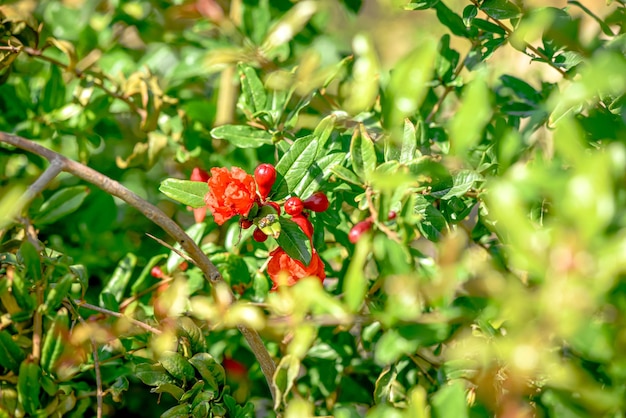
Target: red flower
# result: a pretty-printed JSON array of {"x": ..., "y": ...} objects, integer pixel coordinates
[
  {"x": 230, "y": 193},
  {"x": 282, "y": 267}
]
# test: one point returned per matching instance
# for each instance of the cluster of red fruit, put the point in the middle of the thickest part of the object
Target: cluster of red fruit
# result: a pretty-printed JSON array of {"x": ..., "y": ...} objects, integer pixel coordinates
[{"x": 234, "y": 192}]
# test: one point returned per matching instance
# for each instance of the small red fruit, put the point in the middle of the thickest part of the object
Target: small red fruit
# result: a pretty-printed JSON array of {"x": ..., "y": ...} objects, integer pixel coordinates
[
  {"x": 392, "y": 215},
  {"x": 317, "y": 202},
  {"x": 358, "y": 230},
  {"x": 304, "y": 224},
  {"x": 294, "y": 206},
  {"x": 156, "y": 272},
  {"x": 265, "y": 176},
  {"x": 183, "y": 266},
  {"x": 245, "y": 223},
  {"x": 259, "y": 236}
]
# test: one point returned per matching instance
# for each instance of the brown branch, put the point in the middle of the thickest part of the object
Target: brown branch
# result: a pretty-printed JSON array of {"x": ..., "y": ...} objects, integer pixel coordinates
[
  {"x": 96, "y": 364},
  {"x": 143, "y": 325},
  {"x": 157, "y": 216}
]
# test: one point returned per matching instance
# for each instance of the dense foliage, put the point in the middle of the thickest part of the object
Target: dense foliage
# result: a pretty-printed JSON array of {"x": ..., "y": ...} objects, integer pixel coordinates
[{"x": 470, "y": 259}]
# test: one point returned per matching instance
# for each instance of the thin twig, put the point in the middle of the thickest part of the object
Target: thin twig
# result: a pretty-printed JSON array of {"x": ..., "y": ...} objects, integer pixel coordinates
[
  {"x": 509, "y": 31},
  {"x": 374, "y": 216},
  {"x": 157, "y": 216},
  {"x": 131, "y": 299},
  {"x": 149, "y": 328},
  {"x": 169, "y": 247},
  {"x": 96, "y": 364}
]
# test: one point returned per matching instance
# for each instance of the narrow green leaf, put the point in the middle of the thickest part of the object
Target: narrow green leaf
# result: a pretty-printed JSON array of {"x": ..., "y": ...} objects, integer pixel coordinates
[
  {"x": 11, "y": 354},
  {"x": 501, "y": 9},
  {"x": 466, "y": 128},
  {"x": 355, "y": 282},
  {"x": 54, "y": 92},
  {"x": 242, "y": 136},
  {"x": 294, "y": 241},
  {"x": 293, "y": 166},
  {"x": 252, "y": 89},
  {"x": 363, "y": 154},
  {"x": 346, "y": 174},
  {"x": 32, "y": 261},
  {"x": 409, "y": 142},
  {"x": 408, "y": 84},
  {"x": 119, "y": 279},
  {"x": 29, "y": 386},
  {"x": 61, "y": 203},
  {"x": 190, "y": 193},
  {"x": 317, "y": 174}
]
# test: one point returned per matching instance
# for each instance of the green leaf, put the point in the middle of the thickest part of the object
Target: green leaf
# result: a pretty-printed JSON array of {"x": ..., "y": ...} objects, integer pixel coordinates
[
  {"x": 116, "y": 285},
  {"x": 242, "y": 136},
  {"x": 285, "y": 376},
  {"x": 317, "y": 174},
  {"x": 54, "y": 92},
  {"x": 144, "y": 279},
  {"x": 409, "y": 142},
  {"x": 363, "y": 154},
  {"x": 170, "y": 388},
  {"x": 294, "y": 241},
  {"x": 462, "y": 183},
  {"x": 469, "y": 13},
  {"x": 253, "y": 92},
  {"x": 432, "y": 221},
  {"x": 450, "y": 19},
  {"x": 466, "y": 128},
  {"x": 355, "y": 282},
  {"x": 32, "y": 260},
  {"x": 11, "y": 354},
  {"x": 29, "y": 386},
  {"x": 449, "y": 402},
  {"x": 409, "y": 84},
  {"x": 421, "y": 5},
  {"x": 294, "y": 165},
  {"x": 501, "y": 9},
  {"x": 61, "y": 203},
  {"x": 211, "y": 371},
  {"x": 177, "y": 365},
  {"x": 153, "y": 374},
  {"x": 346, "y": 175},
  {"x": 187, "y": 192}
]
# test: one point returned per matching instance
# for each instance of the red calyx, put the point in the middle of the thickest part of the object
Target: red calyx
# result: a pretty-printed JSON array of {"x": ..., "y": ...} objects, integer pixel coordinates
[
  {"x": 359, "y": 229},
  {"x": 245, "y": 223},
  {"x": 294, "y": 206},
  {"x": 156, "y": 272},
  {"x": 198, "y": 174},
  {"x": 304, "y": 224},
  {"x": 265, "y": 176},
  {"x": 317, "y": 202},
  {"x": 259, "y": 236}
]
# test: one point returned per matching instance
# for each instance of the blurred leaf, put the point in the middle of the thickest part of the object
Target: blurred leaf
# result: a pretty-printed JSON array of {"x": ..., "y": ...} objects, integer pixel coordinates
[
  {"x": 469, "y": 121},
  {"x": 116, "y": 285},
  {"x": 355, "y": 282},
  {"x": 408, "y": 84},
  {"x": 190, "y": 193},
  {"x": 60, "y": 204},
  {"x": 449, "y": 402},
  {"x": 242, "y": 136},
  {"x": 452, "y": 20},
  {"x": 11, "y": 355},
  {"x": 54, "y": 91},
  {"x": 421, "y": 5}
]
